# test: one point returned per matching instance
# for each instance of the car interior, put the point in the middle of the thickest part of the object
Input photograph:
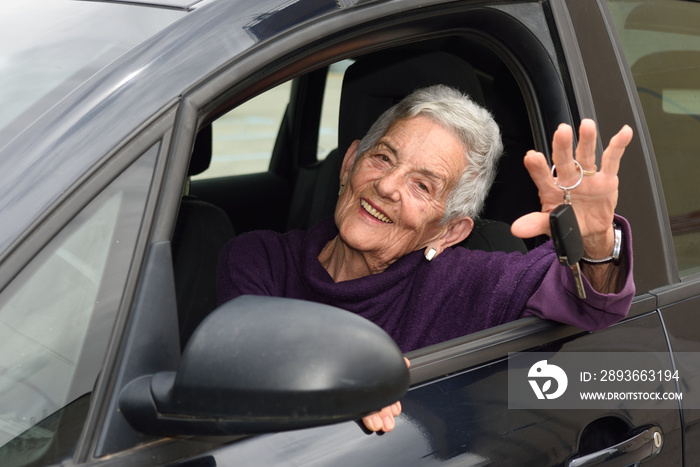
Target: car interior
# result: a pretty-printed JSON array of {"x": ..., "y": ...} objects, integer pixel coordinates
[{"x": 299, "y": 190}]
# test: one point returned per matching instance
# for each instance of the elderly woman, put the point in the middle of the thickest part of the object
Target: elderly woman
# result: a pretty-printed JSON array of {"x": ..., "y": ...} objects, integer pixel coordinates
[{"x": 409, "y": 192}]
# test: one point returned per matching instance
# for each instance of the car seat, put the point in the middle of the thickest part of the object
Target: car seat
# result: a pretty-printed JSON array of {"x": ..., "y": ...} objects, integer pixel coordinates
[
  {"x": 371, "y": 85},
  {"x": 201, "y": 231}
]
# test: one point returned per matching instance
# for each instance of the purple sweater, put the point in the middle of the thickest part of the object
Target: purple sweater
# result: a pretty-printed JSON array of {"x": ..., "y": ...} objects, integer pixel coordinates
[{"x": 417, "y": 302}]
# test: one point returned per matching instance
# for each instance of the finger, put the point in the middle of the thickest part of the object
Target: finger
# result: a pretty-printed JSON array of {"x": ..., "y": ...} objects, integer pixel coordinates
[
  {"x": 387, "y": 419},
  {"x": 531, "y": 225},
  {"x": 383, "y": 420},
  {"x": 563, "y": 155},
  {"x": 372, "y": 422},
  {"x": 537, "y": 167},
  {"x": 610, "y": 163},
  {"x": 587, "y": 142},
  {"x": 395, "y": 409}
]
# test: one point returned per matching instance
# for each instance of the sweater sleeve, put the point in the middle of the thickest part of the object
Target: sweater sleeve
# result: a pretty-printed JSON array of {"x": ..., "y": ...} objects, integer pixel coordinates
[
  {"x": 557, "y": 298},
  {"x": 246, "y": 267}
]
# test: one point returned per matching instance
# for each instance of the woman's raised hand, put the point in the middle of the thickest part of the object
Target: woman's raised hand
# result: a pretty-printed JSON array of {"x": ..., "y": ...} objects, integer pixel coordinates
[{"x": 594, "y": 199}]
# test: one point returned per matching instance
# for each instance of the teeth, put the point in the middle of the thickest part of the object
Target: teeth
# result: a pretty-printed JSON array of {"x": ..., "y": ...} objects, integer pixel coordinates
[{"x": 374, "y": 212}]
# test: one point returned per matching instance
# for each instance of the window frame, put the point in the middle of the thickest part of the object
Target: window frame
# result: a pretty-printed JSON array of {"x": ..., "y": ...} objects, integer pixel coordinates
[
  {"x": 542, "y": 71},
  {"x": 157, "y": 222}
]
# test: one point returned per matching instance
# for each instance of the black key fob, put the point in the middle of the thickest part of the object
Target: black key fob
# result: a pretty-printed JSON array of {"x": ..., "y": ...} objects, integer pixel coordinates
[{"x": 566, "y": 235}]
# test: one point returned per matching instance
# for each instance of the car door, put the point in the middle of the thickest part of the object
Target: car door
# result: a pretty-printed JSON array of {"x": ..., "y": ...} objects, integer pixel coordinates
[
  {"x": 458, "y": 409},
  {"x": 659, "y": 57}
]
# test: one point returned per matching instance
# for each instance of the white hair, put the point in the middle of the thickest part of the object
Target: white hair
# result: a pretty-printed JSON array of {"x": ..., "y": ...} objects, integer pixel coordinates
[{"x": 471, "y": 124}]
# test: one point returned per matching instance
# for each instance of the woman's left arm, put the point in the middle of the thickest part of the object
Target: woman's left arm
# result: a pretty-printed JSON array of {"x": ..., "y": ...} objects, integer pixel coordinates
[{"x": 594, "y": 199}]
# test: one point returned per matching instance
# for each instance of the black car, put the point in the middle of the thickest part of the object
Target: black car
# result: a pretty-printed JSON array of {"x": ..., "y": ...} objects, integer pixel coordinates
[{"x": 137, "y": 137}]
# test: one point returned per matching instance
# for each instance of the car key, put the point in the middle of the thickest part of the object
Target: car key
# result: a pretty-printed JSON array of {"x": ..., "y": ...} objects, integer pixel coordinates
[{"x": 568, "y": 242}]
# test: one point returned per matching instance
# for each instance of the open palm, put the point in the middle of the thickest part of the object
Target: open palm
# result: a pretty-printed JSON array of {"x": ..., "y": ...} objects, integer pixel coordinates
[{"x": 594, "y": 199}]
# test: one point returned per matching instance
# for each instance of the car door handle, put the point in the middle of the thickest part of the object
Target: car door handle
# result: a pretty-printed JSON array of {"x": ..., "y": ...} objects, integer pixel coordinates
[{"x": 636, "y": 449}]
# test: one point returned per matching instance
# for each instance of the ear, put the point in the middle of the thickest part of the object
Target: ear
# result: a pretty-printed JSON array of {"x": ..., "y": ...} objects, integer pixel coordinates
[
  {"x": 349, "y": 162},
  {"x": 455, "y": 231}
]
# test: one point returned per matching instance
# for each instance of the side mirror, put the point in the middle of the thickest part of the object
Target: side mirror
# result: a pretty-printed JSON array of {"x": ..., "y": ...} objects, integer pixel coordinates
[{"x": 263, "y": 364}]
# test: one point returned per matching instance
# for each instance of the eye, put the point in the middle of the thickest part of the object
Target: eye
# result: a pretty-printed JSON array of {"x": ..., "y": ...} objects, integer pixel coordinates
[
  {"x": 423, "y": 187},
  {"x": 381, "y": 160}
]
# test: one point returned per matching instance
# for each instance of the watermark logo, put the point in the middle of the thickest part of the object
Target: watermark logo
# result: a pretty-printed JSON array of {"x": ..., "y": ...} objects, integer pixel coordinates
[
  {"x": 602, "y": 380},
  {"x": 546, "y": 373}
]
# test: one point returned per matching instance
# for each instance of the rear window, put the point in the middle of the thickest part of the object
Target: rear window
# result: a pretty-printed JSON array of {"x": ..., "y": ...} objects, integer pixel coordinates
[
  {"x": 55, "y": 45},
  {"x": 661, "y": 39}
]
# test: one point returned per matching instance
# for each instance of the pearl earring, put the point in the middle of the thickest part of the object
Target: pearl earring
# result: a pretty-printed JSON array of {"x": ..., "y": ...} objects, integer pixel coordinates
[{"x": 430, "y": 254}]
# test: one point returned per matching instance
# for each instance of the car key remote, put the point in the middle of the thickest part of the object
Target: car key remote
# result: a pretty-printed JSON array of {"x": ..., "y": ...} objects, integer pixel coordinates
[{"x": 568, "y": 242}]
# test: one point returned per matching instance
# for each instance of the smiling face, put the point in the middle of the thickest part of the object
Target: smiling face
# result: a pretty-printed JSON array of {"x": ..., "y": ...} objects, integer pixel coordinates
[{"x": 394, "y": 194}]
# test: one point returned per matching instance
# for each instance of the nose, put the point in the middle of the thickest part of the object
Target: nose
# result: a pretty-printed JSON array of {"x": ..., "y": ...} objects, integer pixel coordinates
[{"x": 388, "y": 185}]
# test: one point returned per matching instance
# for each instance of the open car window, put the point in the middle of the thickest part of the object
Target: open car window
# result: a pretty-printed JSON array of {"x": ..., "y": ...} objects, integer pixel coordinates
[{"x": 306, "y": 192}]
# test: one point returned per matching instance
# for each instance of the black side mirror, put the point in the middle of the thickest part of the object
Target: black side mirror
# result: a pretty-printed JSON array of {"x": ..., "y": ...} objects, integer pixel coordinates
[{"x": 263, "y": 364}]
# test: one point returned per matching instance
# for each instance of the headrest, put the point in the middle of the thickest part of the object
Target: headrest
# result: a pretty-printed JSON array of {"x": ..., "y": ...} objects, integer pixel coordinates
[
  {"x": 376, "y": 82},
  {"x": 201, "y": 152}
]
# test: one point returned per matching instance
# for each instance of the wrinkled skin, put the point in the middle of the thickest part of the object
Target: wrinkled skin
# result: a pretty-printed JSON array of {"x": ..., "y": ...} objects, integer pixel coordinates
[{"x": 393, "y": 199}]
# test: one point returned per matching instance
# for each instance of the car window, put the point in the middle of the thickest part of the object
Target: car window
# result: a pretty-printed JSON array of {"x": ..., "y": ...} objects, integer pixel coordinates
[
  {"x": 328, "y": 130},
  {"x": 56, "y": 317},
  {"x": 661, "y": 39},
  {"x": 243, "y": 139}
]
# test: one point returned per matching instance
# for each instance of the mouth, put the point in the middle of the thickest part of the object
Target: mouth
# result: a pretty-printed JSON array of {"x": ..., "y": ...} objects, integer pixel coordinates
[{"x": 375, "y": 213}]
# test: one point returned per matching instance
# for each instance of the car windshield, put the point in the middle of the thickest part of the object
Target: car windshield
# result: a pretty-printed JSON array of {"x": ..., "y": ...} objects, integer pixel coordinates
[{"x": 53, "y": 46}]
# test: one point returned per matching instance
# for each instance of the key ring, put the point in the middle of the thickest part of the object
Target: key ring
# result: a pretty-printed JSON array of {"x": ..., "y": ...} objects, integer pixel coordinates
[{"x": 567, "y": 189}]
